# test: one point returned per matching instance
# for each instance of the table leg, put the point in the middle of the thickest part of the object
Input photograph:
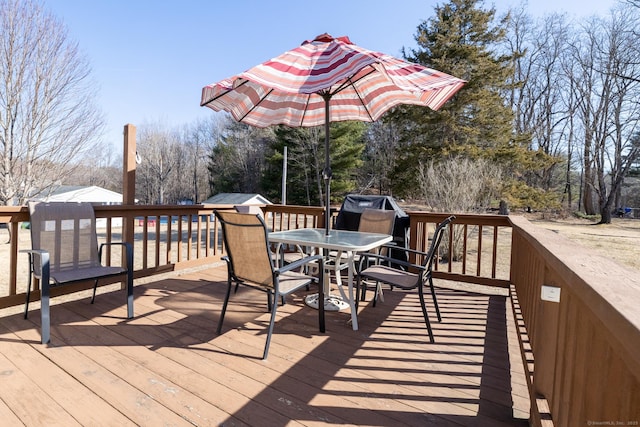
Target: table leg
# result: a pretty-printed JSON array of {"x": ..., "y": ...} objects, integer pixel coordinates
[
  {"x": 349, "y": 298},
  {"x": 354, "y": 313},
  {"x": 331, "y": 302}
]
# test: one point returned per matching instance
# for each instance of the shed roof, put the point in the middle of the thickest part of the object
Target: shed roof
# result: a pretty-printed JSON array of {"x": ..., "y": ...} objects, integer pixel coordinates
[
  {"x": 237, "y": 199},
  {"x": 78, "y": 193}
]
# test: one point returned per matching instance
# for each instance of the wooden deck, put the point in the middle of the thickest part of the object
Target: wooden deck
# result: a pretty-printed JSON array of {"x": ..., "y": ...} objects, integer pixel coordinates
[{"x": 167, "y": 366}]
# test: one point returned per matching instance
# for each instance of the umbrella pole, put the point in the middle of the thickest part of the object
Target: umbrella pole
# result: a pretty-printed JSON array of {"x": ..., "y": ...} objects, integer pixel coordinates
[{"x": 326, "y": 173}]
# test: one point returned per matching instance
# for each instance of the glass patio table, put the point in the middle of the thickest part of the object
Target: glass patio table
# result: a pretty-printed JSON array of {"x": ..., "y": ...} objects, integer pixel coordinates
[{"x": 345, "y": 243}]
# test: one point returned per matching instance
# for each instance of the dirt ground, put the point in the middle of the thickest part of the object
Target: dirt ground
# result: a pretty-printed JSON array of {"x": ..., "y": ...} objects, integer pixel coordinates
[{"x": 619, "y": 240}]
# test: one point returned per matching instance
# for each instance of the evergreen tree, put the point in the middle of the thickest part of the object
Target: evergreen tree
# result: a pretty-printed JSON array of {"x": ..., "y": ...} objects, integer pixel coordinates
[
  {"x": 462, "y": 40},
  {"x": 458, "y": 41},
  {"x": 236, "y": 161},
  {"x": 303, "y": 164},
  {"x": 305, "y": 148}
]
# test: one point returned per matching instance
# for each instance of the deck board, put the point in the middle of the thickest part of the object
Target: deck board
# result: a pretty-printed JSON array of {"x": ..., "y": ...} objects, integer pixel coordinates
[{"x": 167, "y": 366}]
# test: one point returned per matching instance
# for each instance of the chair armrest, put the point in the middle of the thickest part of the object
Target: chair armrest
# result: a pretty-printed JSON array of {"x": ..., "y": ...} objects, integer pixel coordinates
[
  {"x": 127, "y": 245},
  {"x": 128, "y": 250},
  {"x": 44, "y": 260},
  {"x": 395, "y": 246},
  {"x": 298, "y": 263},
  {"x": 33, "y": 251},
  {"x": 388, "y": 259}
]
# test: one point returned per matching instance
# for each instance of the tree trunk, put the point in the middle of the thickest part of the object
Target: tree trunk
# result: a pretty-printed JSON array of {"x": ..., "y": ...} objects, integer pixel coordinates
[
  {"x": 504, "y": 208},
  {"x": 588, "y": 195},
  {"x": 605, "y": 214}
]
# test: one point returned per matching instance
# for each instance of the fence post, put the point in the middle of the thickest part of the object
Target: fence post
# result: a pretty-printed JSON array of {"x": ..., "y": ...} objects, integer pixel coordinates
[{"x": 129, "y": 159}]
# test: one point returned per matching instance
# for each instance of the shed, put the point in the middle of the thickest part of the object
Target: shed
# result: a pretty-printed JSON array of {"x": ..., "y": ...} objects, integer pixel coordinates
[
  {"x": 92, "y": 194},
  {"x": 237, "y": 199},
  {"x": 78, "y": 193}
]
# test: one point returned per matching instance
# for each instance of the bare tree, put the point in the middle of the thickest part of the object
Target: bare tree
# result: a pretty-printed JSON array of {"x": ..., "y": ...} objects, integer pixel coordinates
[
  {"x": 160, "y": 154},
  {"x": 47, "y": 113},
  {"x": 197, "y": 142},
  {"x": 459, "y": 184},
  {"x": 538, "y": 90},
  {"x": 608, "y": 107},
  {"x": 383, "y": 139},
  {"x": 173, "y": 162},
  {"x": 100, "y": 168},
  {"x": 573, "y": 97}
]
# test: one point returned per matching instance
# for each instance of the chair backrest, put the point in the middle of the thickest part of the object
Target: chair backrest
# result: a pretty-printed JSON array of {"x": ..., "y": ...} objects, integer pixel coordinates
[
  {"x": 377, "y": 221},
  {"x": 435, "y": 243},
  {"x": 246, "y": 243},
  {"x": 250, "y": 209},
  {"x": 67, "y": 230}
]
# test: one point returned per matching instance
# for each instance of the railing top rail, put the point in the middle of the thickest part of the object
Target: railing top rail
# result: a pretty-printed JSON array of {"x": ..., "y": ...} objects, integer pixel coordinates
[
  {"x": 14, "y": 213},
  {"x": 473, "y": 219},
  {"x": 316, "y": 210},
  {"x": 8, "y": 213},
  {"x": 127, "y": 210}
]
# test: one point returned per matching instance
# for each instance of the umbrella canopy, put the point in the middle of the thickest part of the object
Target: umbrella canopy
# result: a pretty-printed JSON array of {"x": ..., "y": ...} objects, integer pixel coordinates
[{"x": 327, "y": 79}]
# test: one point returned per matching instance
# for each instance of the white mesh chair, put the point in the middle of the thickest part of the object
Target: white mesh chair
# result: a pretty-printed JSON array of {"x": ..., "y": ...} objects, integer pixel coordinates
[{"x": 64, "y": 250}]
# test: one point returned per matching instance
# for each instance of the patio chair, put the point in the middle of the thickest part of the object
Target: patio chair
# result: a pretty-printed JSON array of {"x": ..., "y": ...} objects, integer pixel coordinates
[
  {"x": 406, "y": 275},
  {"x": 377, "y": 221},
  {"x": 64, "y": 250},
  {"x": 285, "y": 256},
  {"x": 249, "y": 262},
  {"x": 371, "y": 221}
]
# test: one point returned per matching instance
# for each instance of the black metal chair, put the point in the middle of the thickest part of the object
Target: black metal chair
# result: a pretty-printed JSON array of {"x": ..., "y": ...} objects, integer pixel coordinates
[
  {"x": 405, "y": 275},
  {"x": 250, "y": 262}
]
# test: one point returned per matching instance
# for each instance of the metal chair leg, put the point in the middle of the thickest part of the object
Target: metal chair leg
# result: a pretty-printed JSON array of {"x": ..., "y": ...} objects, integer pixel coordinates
[
  {"x": 271, "y": 323},
  {"x": 224, "y": 307},
  {"x": 95, "y": 288},
  {"x": 435, "y": 300},
  {"x": 26, "y": 305},
  {"x": 426, "y": 315}
]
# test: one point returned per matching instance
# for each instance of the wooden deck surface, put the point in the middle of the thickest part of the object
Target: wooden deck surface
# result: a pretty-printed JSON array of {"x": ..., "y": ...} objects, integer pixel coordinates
[{"x": 167, "y": 367}]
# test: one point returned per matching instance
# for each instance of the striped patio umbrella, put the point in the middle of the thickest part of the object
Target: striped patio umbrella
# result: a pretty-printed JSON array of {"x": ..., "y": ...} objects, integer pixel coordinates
[{"x": 323, "y": 80}]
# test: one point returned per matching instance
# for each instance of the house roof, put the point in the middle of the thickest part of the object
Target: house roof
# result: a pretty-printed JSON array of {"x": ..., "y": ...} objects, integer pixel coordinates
[
  {"x": 78, "y": 193},
  {"x": 237, "y": 199}
]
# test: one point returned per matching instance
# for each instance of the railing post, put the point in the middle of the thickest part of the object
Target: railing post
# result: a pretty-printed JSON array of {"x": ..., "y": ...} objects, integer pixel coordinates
[
  {"x": 129, "y": 166},
  {"x": 129, "y": 158}
]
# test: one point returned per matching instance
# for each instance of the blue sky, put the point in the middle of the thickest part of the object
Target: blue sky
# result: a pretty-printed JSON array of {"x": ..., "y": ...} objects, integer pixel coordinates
[{"x": 151, "y": 58}]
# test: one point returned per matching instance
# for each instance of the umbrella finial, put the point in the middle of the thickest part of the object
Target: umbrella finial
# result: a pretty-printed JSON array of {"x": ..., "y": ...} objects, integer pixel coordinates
[{"x": 327, "y": 38}]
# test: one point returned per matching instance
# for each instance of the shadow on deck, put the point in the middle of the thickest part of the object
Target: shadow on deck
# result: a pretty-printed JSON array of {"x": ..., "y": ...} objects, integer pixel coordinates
[{"x": 167, "y": 367}]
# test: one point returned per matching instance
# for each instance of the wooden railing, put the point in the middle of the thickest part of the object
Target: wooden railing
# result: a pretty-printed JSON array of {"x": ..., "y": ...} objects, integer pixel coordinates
[
  {"x": 165, "y": 239},
  {"x": 582, "y": 354},
  {"x": 478, "y": 247},
  {"x": 285, "y": 217},
  {"x": 171, "y": 238}
]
